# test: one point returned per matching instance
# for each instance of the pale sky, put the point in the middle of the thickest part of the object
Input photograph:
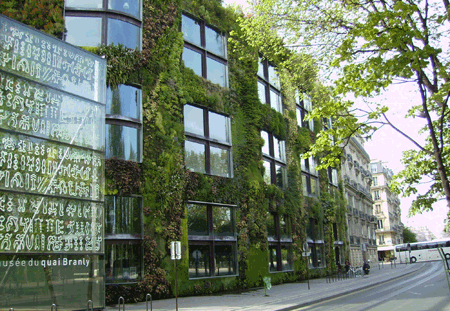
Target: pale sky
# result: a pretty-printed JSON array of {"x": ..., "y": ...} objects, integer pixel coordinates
[{"x": 387, "y": 146}]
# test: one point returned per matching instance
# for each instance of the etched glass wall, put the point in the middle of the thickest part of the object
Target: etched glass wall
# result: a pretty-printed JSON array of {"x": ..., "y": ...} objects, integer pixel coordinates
[{"x": 52, "y": 112}]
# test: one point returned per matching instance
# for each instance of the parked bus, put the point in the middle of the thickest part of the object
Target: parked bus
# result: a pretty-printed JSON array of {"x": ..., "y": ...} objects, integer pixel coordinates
[{"x": 422, "y": 251}]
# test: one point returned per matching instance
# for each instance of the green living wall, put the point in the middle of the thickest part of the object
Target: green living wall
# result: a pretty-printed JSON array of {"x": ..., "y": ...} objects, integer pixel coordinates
[{"x": 162, "y": 178}]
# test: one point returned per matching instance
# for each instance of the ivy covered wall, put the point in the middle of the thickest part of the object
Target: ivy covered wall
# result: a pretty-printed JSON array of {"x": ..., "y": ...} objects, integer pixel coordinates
[{"x": 162, "y": 179}]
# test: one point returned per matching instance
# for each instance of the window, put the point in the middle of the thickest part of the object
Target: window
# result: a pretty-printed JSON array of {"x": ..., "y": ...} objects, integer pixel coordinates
[
  {"x": 376, "y": 195},
  {"x": 378, "y": 208},
  {"x": 375, "y": 181},
  {"x": 123, "y": 239},
  {"x": 332, "y": 176},
  {"x": 269, "y": 86},
  {"x": 124, "y": 123},
  {"x": 380, "y": 224},
  {"x": 274, "y": 160},
  {"x": 314, "y": 233},
  {"x": 304, "y": 106},
  {"x": 381, "y": 240},
  {"x": 310, "y": 181},
  {"x": 205, "y": 50},
  {"x": 92, "y": 23},
  {"x": 212, "y": 240},
  {"x": 208, "y": 142},
  {"x": 280, "y": 243},
  {"x": 374, "y": 167}
]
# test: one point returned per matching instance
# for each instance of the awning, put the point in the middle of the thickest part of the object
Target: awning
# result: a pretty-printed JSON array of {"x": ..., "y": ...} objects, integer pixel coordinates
[{"x": 386, "y": 248}]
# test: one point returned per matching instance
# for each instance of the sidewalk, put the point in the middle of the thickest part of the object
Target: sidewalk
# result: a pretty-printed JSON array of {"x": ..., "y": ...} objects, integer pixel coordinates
[{"x": 280, "y": 297}]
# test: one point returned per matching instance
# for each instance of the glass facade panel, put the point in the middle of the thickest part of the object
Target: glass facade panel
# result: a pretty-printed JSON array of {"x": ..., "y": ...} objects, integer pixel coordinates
[
  {"x": 199, "y": 261},
  {"x": 197, "y": 216},
  {"x": 273, "y": 258},
  {"x": 305, "y": 185},
  {"x": 267, "y": 173},
  {"x": 275, "y": 101},
  {"x": 285, "y": 227},
  {"x": 84, "y": 4},
  {"x": 220, "y": 162},
  {"x": 271, "y": 232},
  {"x": 281, "y": 176},
  {"x": 123, "y": 263},
  {"x": 262, "y": 93},
  {"x": 84, "y": 31},
  {"x": 191, "y": 30},
  {"x": 223, "y": 221},
  {"x": 320, "y": 255},
  {"x": 193, "y": 120},
  {"x": 192, "y": 60},
  {"x": 274, "y": 79},
  {"x": 123, "y": 215},
  {"x": 225, "y": 259},
  {"x": 219, "y": 127},
  {"x": 120, "y": 32},
  {"x": 286, "y": 257},
  {"x": 261, "y": 68},
  {"x": 132, "y": 7},
  {"x": 122, "y": 142},
  {"x": 195, "y": 156},
  {"x": 265, "y": 148},
  {"x": 215, "y": 42},
  {"x": 124, "y": 100},
  {"x": 314, "y": 187},
  {"x": 216, "y": 72}
]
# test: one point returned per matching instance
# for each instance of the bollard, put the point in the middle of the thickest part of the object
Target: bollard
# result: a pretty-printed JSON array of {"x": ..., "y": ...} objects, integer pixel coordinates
[
  {"x": 121, "y": 304},
  {"x": 11, "y": 309},
  {"x": 56, "y": 308},
  {"x": 151, "y": 302},
  {"x": 91, "y": 304}
]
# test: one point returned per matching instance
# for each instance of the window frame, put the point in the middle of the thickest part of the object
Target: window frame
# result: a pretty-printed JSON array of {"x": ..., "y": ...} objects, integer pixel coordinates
[
  {"x": 211, "y": 240},
  {"x": 264, "y": 79},
  {"x": 204, "y": 52},
  {"x": 303, "y": 111},
  {"x": 209, "y": 142},
  {"x": 273, "y": 161},
  {"x": 309, "y": 173}
]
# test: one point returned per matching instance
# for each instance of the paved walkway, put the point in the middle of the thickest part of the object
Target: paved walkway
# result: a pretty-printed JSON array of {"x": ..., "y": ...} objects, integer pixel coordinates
[{"x": 281, "y": 297}]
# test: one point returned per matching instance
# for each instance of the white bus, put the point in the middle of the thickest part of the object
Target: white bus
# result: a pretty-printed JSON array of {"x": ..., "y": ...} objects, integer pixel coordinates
[{"x": 422, "y": 251}]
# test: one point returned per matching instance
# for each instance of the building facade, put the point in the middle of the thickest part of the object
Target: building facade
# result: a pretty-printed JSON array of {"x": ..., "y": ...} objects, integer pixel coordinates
[
  {"x": 204, "y": 145},
  {"x": 360, "y": 218},
  {"x": 386, "y": 208}
]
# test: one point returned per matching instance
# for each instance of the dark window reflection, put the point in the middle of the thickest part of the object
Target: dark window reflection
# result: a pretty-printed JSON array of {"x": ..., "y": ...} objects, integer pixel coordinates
[
  {"x": 124, "y": 100},
  {"x": 286, "y": 257},
  {"x": 123, "y": 215},
  {"x": 124, "y": 33},
  {"x": 225, "y": 259},
  {"x": 223, "y": 221},
  {"x": 197, "y": 216},
  {"x": 271, "y": 226},
  {"x": 273, "y": 258},
  {"x": 84, "y": 31},
  {"x": 123, "y": 262},
  {"x": 199, "y": 263},
  {"x": 122, "y": 142},
  {"x": 131, "y": 7}
]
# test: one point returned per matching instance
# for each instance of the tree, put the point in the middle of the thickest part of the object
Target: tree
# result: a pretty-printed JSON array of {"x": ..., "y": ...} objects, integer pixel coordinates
[
  {"x": 409, "y": 236},
  {"x": 371, "y": 44}
]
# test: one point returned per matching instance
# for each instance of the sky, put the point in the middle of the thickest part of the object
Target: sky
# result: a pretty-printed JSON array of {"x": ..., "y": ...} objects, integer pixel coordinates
[{"x": 387, "y": 146}]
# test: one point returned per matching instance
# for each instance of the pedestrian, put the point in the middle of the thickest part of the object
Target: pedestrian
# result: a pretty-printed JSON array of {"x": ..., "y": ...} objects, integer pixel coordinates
[{"x": 347, "y": 266}]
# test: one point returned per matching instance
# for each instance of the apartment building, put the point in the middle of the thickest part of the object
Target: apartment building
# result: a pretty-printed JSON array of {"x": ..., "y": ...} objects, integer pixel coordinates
[
  {"x": 360, "y": 219},
  {"x": 386, "y": 208}
]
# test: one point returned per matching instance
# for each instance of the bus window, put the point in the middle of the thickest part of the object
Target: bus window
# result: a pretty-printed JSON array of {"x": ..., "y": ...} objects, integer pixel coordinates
[{"x": 414, "y": 247}]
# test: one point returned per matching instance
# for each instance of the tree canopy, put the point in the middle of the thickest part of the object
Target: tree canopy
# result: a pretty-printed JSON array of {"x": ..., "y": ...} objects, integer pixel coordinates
[
  {"x": 409, "y": 236},
  {"x": 362, "y": 47}
]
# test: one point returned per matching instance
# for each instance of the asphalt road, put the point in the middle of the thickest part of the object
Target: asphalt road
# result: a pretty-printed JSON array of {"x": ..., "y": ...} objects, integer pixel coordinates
[{"x": 426, "y": 289}]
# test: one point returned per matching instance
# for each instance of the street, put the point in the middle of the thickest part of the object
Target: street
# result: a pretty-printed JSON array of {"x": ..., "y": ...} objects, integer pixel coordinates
[{"x": 426, "y": 289}]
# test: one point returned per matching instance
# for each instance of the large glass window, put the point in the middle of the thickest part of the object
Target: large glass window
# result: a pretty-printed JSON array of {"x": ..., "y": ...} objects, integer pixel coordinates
[
  {"x": 123, "y": 142},
  {"x": 212, "y": 240},
  {"x": 304, "y": 106},
  {"x": 269, "y": 85},
  {"x": 280, "y": 243},
  {"x": 310, "y": 177},
  {"x": 205, "y": 50},
  {"x": 124, "y": 100},
  {"x": 123, "y": 239},
  {"x": 96, "y": 22},
  {"x": 274, "y": 160},
  {"x": 208, "y": 141}
]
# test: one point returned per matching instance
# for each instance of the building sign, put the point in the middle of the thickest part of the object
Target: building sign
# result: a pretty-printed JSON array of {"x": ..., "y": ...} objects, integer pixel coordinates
[{"x": 52, "y": 145}]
